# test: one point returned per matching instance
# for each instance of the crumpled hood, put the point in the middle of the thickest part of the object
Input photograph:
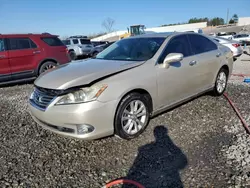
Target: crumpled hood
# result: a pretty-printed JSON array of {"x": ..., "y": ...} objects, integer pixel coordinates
[{"x": 82, "y": 73}]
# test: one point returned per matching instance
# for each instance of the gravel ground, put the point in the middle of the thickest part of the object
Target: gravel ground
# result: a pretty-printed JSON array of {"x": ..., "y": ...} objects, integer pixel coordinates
[{"x": 199, "y": 144}]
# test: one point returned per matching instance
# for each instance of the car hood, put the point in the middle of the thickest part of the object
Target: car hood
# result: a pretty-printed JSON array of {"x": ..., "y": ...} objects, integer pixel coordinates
[{"x": 82, "y": 72}]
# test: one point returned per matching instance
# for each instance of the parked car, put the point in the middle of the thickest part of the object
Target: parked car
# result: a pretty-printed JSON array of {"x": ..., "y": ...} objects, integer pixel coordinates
[
  {"x": 226, "y": 35},
  {"x": 98, "y": 43},
  {"x": 242, "y": 38},
  {"x": 98, "y": 49},
  {"x": 26, "y": 56},
  {"x": 129, "y": 82},
  {"x": 234, "y": 46},
  {"x": 78, "y": 46}
]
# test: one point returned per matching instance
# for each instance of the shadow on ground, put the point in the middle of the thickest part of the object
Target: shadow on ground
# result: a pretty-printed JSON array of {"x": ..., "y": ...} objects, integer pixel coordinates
[{"x": 158, "y": 163}]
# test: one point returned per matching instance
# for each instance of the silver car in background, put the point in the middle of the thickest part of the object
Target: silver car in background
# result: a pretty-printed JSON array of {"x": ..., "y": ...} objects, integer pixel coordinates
[
  {"x": 78, "y": 46},
  {"x": 234, "y": 46},
  {"x": 132, "y": 80}
]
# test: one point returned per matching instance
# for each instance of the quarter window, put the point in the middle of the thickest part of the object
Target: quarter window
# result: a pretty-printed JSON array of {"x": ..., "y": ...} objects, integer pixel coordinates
[
  {"x": 75, "y": 41},
  {"x": 200, "y": 44},
  {"x": 177, "y": 44},
  {"x": 52, "y": 41},
  {"x": 2, "y": 48},
  {"x": 21, "y": 43}
]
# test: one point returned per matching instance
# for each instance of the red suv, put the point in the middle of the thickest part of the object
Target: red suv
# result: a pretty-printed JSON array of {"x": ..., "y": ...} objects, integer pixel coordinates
[{"x": 26, "y": 56}]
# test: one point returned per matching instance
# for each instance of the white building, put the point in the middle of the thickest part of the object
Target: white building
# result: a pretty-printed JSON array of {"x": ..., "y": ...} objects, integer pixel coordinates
[
  {"x": 243, "y": 21},
  {"x": 181, "y": 28}
]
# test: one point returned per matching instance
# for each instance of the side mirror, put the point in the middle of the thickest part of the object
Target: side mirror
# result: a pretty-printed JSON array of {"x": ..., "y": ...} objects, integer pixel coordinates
[{"x": 172, "y": 58}]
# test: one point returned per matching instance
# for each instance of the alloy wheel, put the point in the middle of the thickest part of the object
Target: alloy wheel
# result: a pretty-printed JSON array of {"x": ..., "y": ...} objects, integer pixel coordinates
[
  {"x": 221, "y": 82},
  {"x": 134, "y": 117}
]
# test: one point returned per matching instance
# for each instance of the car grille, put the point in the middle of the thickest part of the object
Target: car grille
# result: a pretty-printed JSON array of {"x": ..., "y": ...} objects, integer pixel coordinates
[{"x": 41, "y": 98}]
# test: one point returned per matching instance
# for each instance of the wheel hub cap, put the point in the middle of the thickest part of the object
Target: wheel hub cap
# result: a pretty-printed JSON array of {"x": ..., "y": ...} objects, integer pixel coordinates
[
  {"x": 221, "y": 82},
  {"x": 134, "y": 117}
]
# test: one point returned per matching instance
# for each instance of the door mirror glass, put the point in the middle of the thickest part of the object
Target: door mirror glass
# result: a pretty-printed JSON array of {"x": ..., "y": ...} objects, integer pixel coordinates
[{"x": 172, "y": 58}]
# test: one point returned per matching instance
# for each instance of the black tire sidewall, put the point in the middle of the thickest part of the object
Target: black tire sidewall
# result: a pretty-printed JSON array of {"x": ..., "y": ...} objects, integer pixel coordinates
[
  {"x": 216, "y": 92},
  {"x": 121, "y": 107},
  {"x": 72, "y": 55},
  {"x": 95, "y": 54},
  {"x": 44, "y": 65}
]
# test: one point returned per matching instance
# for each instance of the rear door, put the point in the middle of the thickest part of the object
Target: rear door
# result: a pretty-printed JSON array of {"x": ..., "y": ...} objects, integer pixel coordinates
[
  {"x": 207, "y": 56},
  {"x": 55, "y": 49},
  {"x": 5, "y": 72},
  {"x": 22, "y": 54}
]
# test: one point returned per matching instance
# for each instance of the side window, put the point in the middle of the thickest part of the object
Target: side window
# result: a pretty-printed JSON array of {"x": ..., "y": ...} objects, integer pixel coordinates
[
  {"x": 2, "y": 48},
  {"x": 21, "y": 43},
  {"x": 177, "y": 44},
  {"x": 200, "y": 44},
  {"x": 32, "y": 44},
  {"x": 75, "y": 41}
]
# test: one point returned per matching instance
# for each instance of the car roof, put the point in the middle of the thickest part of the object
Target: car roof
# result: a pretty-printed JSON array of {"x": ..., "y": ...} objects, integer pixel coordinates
[
  {"x": 77, "y": 38},
  {"x": 165, "y": 35},
  {"x": 28, "y": 34}
]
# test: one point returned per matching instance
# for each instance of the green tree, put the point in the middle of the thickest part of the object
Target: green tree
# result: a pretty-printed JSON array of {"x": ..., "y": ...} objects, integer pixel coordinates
[
  {"x": 231, "y": 21},
  {"x": 235, "y": 18}
]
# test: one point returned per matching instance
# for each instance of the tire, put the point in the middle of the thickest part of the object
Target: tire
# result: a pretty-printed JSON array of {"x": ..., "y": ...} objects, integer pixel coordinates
[
  {"x": 221, "y": 82},
  {"x": 72, "y": 55},
  {"x": 46, "y": 66},
  {"x": 126, "y": 122},
  {"x": 94, "y": 54}
]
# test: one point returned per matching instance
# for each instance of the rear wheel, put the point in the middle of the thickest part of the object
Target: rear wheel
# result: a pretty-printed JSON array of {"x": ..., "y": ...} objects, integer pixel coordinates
[
  {"x": 95, "y": 54},
  {"x": 46, "y": 66},
  {"x": 132, "y": 116},
  {"x": 221, "y": 82},
  {"x": 72, "y": 55}
]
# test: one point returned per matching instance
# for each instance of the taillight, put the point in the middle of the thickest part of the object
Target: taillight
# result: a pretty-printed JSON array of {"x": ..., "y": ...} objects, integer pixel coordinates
[
  {"x": 66, "y": 50},
  {"x": 236, "y": 45}
]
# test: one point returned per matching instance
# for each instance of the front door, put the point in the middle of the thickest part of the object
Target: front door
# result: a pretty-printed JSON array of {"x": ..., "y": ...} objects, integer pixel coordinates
[
  {"x": 179, "y": 80},
  {"x": 5, "y": 72}
]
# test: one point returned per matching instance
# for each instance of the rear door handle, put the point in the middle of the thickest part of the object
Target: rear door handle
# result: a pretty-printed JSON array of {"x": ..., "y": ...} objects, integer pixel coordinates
[
  {"x": 36, "y": 52},
  {"x": 192, "y": 63},
  {"x": 218, "y": 55},
  {"x": 2, "y": 56}
]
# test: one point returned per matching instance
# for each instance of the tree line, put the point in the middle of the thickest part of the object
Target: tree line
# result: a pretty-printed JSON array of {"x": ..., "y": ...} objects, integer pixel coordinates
[{"x": 210, "y": 21}]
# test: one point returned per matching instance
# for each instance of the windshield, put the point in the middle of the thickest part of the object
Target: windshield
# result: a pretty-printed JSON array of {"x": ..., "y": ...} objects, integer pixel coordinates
[
  {"x": 66, "y": 42},
  {"x": 132, "y": 49}
]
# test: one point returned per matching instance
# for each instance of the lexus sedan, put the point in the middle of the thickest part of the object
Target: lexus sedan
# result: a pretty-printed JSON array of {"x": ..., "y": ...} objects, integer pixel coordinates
[{"x": 119, "y": 90}]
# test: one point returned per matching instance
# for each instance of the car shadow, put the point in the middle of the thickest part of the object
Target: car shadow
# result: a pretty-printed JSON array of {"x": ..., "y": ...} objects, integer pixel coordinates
[
  {"x": 18, "y": 83},
  {"x": 158, "y": 163}
]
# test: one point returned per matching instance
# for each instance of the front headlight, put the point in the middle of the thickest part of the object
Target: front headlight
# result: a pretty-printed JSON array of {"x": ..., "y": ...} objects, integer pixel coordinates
[{"x": 82, "y": 95}]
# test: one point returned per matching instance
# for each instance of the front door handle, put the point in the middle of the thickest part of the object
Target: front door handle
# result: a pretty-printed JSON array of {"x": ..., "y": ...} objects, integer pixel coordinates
[
  {"x": 36, "y": 52},
  {"x": 218, "y": 55},
  {"x": 2, "y": 56},
  {"x": 192, "y": 63}
]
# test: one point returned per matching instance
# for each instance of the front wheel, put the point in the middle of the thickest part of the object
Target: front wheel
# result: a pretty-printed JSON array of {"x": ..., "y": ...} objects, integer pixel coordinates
[
  {"x": 221, "y": 82},
  {"x": 132, "y": 116}
]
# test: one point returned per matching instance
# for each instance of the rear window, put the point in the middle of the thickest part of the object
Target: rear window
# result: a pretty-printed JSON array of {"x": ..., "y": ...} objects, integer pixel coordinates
[
  {"x": 66, "y": 42},
  {"x": 52, "y": 41},
  {"x": 85, "y": 41},
  {"x": 200, "y": 44}
]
